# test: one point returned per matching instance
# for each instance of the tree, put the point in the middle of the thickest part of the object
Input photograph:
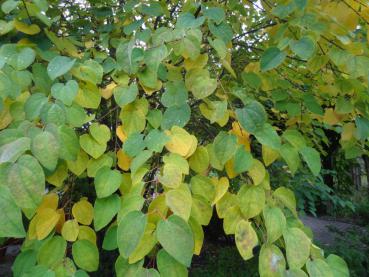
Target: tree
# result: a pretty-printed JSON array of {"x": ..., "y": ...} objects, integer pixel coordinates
[{"x": 131, "y": 122}]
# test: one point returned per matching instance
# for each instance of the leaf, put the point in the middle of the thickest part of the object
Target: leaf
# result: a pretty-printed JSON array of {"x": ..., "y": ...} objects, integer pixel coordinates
[
  {"x": 338, "y": 266},
  {"x": 297, "y": 247},
  {"x": 269, "y": 155},
  {"x": 312, "y": 158},
  {"x": 199, "y": 161},
  {"x": 179, "y": 200},
  {"x": 86, "y": 255},
  {"x": 271, "y": 261},
  {"x": 91, "y": 146},
  {"x": 198, "y": 81},
  {"x": 9, "y": 5},
  {"x": 83, "y": 211},
  {"x": 134, "y": 144},
  {"x": 58, "y": 66},
  {"x": 125, "y": 95},
  {"x": 362, "y": 125},
  {"x": 304, "y": 47},
  {"x": 26, "y": 182},
  {"x": 268, "y": 136},
  {"x": 175, "y": 94},
  {"x": 275, "y": 223},
  {"x": 176, "y": 237},
  {"x": 286, "y": 197},
  {"x": 146, "y": 244},
  {"x": 318, "y": 267},
  {"x": 52, "y": 251},
  {"x": 252, "y": 117},
  {"x": 87, "y": 233},
  {"x": 11, "y": 151},
  {"x": 251, "y": 200},
  {"x": 176, "y": 116},
  {"x": 271, "y": 58},
  {"x": 246, "y": 239},
  {"x": 104, "y": 210},
  {"x": 107, "y": 181},
  {"x": 168, "y": 266},
  {"x": 131, "y": 229},
  {"x": 243, "y": 160},
  {"x": 11, "y": 216},
  {"x": 201, "y": 210},
  {"x": 110, "y": 239},
  {"x": 155, "y": 140},
  {"x": 181, "y": 142},
  {"x": 69, "y": 144},
  {"x": 257, "y": 172},
  {"x": 65, "y": 92},
  {"x": 46, "y": 221},
  {"x": 225, "y": 146},
  {"x": 100, "y": 132},
  {"x": 22, "y": 59},
  {"x": 291, "y": 156},
  {"x": 32, "y": 29},
  {"x": 45, "y": 147},
  {"x": 203, "y": 186},
  {"x": 70, "y": 230}
]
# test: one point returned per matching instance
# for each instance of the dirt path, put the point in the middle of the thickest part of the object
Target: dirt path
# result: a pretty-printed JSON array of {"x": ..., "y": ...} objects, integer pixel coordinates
[{"x": 321, "y": 229}]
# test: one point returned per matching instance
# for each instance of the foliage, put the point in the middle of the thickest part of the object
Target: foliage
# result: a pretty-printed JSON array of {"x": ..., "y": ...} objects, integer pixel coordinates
[{"x": 133, "y": 105}]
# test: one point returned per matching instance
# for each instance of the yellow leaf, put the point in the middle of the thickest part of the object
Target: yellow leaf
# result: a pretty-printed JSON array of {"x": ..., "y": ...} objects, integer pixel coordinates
[
  {"x": 229, "y": 167},
  {"x": 221, "y": 188},
  {"x": 257, "y": 172},
  {"x": 199, "y": 161},
  {"x": 31, "y": 232},
  {"x": 83, "y": 212},
  {"x": 107, "y": 92},
  {"x": 46, "y": 221},
  {"x": 199, "y": 62},
  {"x": 70, "y": 230},
  {"x": 49, "y": 201},
  {"x": 243, "y": 137},
  {"x": 179, "y": 200},
  {"x": 348, "y": 131},
  {"x": 61, "y": 221},
  {"x": 198, "y": 235},
  {"x": 124, "y": 161},
  {"x": 121, "y": 134},
  {"x": 146, "y": 244},
  {"x": 269, "y": 155},
  {"x": 223, "y": 204},
  {"x": 246, "y": 239},
  {"x": 157, "y": 209},
  {"x": 87, "y": 233},
  {"x": 150, "y": 91},
  {"x": 32, "y": 29},
  {"x": 331, "y": 117},
  {"x": 181, "y": 142}
]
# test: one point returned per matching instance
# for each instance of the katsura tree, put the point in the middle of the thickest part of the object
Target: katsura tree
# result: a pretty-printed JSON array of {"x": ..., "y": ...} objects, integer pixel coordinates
[{"x": 126, "y": 125}]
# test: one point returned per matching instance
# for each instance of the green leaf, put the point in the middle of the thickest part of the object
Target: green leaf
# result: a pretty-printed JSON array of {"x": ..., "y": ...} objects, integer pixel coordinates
[
  {"x": 9, "y": 5},
  {"x": 179, "y": 200},
  {"x": 338, "y": 266},
  {"x": 10, "y": 215},
  {"x": 85, "y": 255},
  {"x": 295, "y": 138},
  {"x": 198, "y": 81},
  {"x": 91, "y": 146},
  {"x": 225, "y": 146},
  {"x": 131, "y": 229},
  {"x": 312, "y": 158},
  {"x": 286, "y": 197},
  {"x": 362, "y": 125},
  {"x": 26, "y": 181},
  {"x": 155, "y": 140},
  {"x": 271, "y": 261},
  {"x": 297, "y": 247},
  {"x": 201, "y": 210},
  {"x": 23, "y": 262},
  {"x": 214, "y": 13},
  {"x": 52, "y": 251},
  {"x": 125, "y": 95},
  {"x": 199, "y": 161},
  {"x": 107, "y": 181},
  {"x": 246, "y": 239},
  {"x": 11, "y": 151},
  {"x": 318, "y": 267},
  {"x": 23, "y": 59},
  {"x": 65, "y": 92},
  {"x": 58, "y": 66},
  {"x": 251, "y": 200},
  {"x": 110, "y": 240},
  {"x": 268, "y": 136},
  {"x": 100, "y": 132},
  {"x": 252, "y": 117},
  {"x": 168, "y": 266},
  {"x": 203, "y": 186},
  {"x": 134, "y": 144},
  {"x": 272, "y": 58},
  {"x": 275, "y": 222},
  {"x": 34, "y": 105},
  {"x": 140, "y": 160},
  {"x": 291, "y": 156},
  {"x": 104, "y": 210},
  {"x": 176, "y": 116},
  {"x": 175, "y": 94},
  {"x": 242, "y": 160},
  {"x": 69, "y": 144},
  {"x": 304, "y": 47},
  {"x": 45, "y": 147},
  {"x": 176, "y": 237}
]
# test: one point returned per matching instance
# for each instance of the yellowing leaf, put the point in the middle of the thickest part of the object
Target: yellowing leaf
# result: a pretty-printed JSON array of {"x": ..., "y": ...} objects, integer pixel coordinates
[
  {"x": 145, "y": 245},
  {"x": 348, "y": 131},
  {"x": 199, "y": 161},
  {"x": 61, "y": 221},
  {"x": 229, "y": 167},
  {"x": 46, "y": 221},
  {"x": 243, "y": 137},
  {"x": 269, "y": 155},
  {"x": 124, "y": 161},
  {"x": 32, "y": 29},
  {"x": 257, "y": 172},
  {"x": 181, "y": 142},
  {"x": 50, "y": 201},
  {"x": 83, "y": 212},
  {"x": 221, "y": 188},
  {"x": 107, "y": 92},
  {"x": 246, "y": 239},
  {"x": 87, "y": 233},
  {"x": 331, "y": 117},
  {"x": 179, "y": 200},
  {"x": 70, "y": 230}
]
